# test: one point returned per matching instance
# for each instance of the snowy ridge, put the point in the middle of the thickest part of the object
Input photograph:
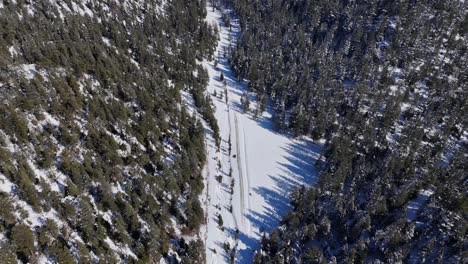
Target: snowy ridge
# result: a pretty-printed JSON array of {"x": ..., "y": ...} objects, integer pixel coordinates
[{"x": 249, "y": 178}]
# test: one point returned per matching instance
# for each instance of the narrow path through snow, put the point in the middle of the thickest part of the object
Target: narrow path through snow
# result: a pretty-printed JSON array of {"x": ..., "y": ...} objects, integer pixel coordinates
[
  {"x": 240, "y": 170},
  {"x": 249, "y": 179}
]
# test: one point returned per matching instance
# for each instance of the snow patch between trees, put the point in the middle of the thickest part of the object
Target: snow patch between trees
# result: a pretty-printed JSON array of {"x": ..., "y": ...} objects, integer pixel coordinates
[{"x": 249, "y": 179}]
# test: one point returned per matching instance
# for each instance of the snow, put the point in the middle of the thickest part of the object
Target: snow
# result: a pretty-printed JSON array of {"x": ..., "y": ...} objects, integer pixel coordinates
[
  {"x": 405, "y": 106},
  {"x": 38, "y": 173},
  {"x": 116, "y": 188},
  {"x": 135, "y": 63},
  {"x": 111, "y": 244},
  {"x": 121, "y": 142},
  {"x": 13, "y": 51},
  {"x": 9, "y": 146},
  {"x": 393, "y": 89},
  {"x": 392, "y": 23},
  {"x": 28, "y": 70},
  {"x": 78, "y": 9},
  {"x": 453, "y": 146},
  {"x": 50, "y": 119},
  {"x": 37, "y": 219},
  {"x": 33, "y": 218},
  {"x": 348, "y": 84},
  {"x": 144, "y": 225},
  {"x": 118, "y": 248},
  {"x": 415, "y": 205},
  {"x": 29, "y": 10},
  {"x": 6, "y": 185},
  {"x": 106, "y": 41},
  {"x": 107, "y": 216},
  {"x": 265, "y": 165}
]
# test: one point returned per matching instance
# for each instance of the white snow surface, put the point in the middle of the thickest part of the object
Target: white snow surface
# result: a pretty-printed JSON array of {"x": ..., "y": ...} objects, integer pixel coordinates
[
  {"x": 265, "y": 164},
  {"x": 27, "y": 70},
  {"x": 6, "y": 185},
  {"x": 416, "y": 204}
]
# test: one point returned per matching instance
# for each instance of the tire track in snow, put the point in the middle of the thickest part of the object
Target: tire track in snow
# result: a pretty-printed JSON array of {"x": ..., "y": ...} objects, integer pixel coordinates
[
  {"x": 207, "y": 201},
  {"x": 230, "y": 165},
  {"x": 246, "y": 158},
  {"x": 239, "y": 168}
]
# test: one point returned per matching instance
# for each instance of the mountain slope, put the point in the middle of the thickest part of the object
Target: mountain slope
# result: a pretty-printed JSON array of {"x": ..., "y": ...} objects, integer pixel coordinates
[
  {"x": 384, "y": 83},
  {"x": 99, "y": 160}
]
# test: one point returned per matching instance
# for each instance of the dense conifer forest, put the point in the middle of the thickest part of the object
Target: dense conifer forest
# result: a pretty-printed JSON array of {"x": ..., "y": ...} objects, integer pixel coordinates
[
  {"x": 384, "y": 83},
  {"x": 99, "y": 159}
]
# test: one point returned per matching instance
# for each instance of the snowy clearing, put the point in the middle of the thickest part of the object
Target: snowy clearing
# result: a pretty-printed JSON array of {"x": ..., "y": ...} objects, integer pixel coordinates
[{"x": 254, "y": 175}]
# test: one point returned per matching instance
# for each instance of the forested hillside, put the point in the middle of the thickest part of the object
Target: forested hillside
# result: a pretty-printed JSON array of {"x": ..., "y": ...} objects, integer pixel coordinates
[
  {"x": 99, "y": 160},
  {"x": 384, "y": 83}
]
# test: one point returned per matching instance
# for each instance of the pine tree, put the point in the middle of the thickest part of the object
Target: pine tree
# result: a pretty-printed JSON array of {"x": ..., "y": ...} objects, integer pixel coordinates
[
  {"x": 23, "y": 241},
  {"x": 220, "y": 220}
]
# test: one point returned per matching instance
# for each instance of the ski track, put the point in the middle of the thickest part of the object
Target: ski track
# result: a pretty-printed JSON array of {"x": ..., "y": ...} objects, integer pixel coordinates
[{"x": 266, "y": 167}]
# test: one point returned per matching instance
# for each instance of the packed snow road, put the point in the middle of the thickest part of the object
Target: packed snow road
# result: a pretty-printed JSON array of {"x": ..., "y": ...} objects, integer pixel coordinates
[{"x": 250, "y": 177}]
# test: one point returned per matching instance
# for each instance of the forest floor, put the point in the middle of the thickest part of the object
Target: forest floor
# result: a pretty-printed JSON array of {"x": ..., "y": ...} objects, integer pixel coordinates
[{"x": 249, "y": 178}]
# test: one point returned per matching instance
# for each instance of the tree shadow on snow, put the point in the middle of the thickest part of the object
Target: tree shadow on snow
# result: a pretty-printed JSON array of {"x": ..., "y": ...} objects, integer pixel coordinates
[
  {"x": 301, "y": 158},
  {"x": 298, "y": 171}
]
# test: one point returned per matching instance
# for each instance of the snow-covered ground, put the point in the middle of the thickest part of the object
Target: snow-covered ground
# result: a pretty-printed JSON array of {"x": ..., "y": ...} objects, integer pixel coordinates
[
  {"x": 265, "y": 165},
  {"x": 415, "y": 205}
]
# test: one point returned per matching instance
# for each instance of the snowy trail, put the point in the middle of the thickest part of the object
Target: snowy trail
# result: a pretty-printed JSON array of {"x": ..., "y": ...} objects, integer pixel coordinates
[
  {"x": 241, "y": 167},
  {"x": 246, "y": 166},
  {"x": 249, "y": 190}
]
